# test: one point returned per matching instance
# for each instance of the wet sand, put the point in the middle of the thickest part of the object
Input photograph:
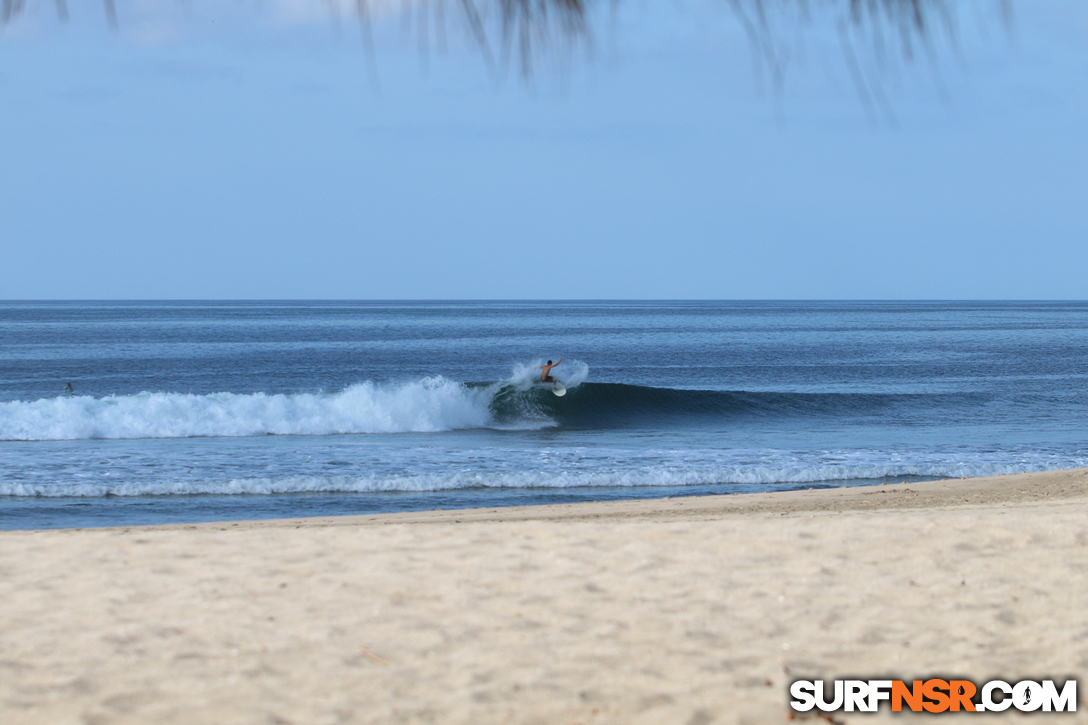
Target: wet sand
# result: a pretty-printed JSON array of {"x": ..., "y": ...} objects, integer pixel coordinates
[{"x": 684, "y": 610}]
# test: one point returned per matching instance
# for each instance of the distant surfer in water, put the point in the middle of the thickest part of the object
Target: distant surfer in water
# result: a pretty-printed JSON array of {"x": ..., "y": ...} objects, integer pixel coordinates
[
  {"x": 545, "y": 369},
  {"x": 68, "y": 390}
]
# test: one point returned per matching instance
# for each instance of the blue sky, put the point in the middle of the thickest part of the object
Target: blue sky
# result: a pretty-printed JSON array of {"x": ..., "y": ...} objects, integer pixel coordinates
[{"x": 242, "y": 152}]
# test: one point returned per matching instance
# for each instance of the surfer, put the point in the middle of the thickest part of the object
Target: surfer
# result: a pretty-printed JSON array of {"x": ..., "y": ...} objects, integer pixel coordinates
[
  {"x": 545, "y": 369},
  {"x": 68, "y": 390}
]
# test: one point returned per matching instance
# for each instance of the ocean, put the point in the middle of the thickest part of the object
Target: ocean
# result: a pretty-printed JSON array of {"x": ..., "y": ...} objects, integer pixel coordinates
[{"x": 205, "y": 411}]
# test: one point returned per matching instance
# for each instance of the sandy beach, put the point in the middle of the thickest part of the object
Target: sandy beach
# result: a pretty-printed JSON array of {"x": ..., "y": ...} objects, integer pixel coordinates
[{"x": 684, "y": 610}]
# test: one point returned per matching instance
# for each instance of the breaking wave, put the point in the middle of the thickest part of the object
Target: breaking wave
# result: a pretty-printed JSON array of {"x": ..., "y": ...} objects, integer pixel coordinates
[
  {"x": 432, "y": 404},
  {"x": 429, "y": 405}
]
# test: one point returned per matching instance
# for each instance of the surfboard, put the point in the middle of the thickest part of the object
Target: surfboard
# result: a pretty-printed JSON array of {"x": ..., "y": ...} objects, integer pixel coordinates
[{"x": 559, "y": 390}]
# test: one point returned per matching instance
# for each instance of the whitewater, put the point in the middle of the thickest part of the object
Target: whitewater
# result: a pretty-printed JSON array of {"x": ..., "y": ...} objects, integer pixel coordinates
[
  {"x": 423, "y": 406},
  {"x": 432, "y": 404},
  {"x": 699, "y": 471}
]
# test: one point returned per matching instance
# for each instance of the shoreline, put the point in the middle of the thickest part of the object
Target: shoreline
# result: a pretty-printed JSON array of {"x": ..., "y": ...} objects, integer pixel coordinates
[
  {"x": 686, "y": 610},
  {"x": 1014, "y": 488}
]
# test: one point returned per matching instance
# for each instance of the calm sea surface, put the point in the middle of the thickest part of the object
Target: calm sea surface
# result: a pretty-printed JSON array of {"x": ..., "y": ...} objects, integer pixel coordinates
[{"x": 198, "y": 411}]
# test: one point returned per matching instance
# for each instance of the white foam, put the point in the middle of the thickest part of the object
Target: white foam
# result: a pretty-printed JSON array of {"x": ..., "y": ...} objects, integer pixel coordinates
[
  {"x": 425, "y": 406},
  {"x": 556, "y": 479},
  {"x": 428, "y": 405},
  {"x": 571, "y": 373}
]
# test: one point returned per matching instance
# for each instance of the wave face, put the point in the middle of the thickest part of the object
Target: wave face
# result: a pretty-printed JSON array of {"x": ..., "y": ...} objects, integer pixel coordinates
[{"x": 615, "y": 405}]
